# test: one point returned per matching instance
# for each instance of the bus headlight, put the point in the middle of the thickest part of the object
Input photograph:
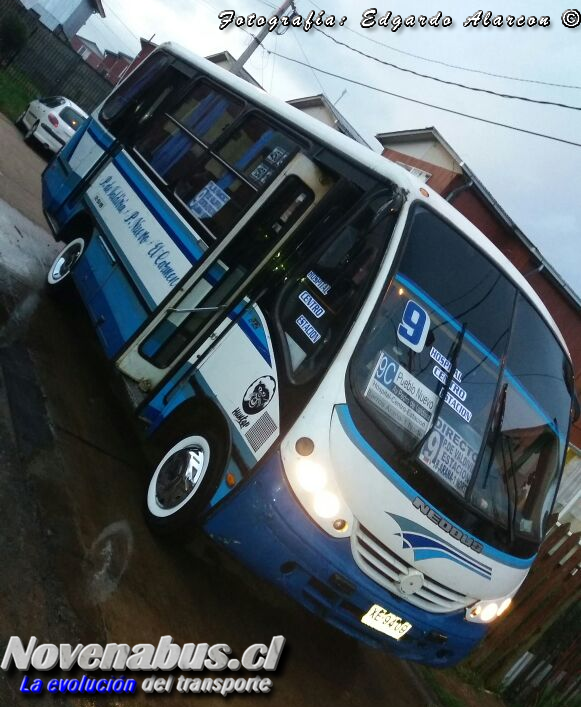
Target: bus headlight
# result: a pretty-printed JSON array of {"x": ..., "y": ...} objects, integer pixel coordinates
[
  {"x": 486, "y": 611},
  {"x": 326, "y": 504},
  {"x": 318, "y": 492},
  {"x": 311, "y": 476}
]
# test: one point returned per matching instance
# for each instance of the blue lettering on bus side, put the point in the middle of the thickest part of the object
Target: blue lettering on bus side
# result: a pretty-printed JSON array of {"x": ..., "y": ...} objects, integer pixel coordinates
[
  {"x": 311, "y": 304},
  {"x": 306, "y": 326},
  {"x": 319, "y": 283}
]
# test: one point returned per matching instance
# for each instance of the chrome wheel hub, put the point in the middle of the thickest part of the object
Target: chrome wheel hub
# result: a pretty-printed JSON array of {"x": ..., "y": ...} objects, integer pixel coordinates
[
  {"x": 180, "y": 475},
  {"x": 65, "y": 261}
]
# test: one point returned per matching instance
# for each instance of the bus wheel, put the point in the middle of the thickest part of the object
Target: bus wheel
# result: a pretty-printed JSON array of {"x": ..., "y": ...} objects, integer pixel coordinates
[
  {"x": 59, "y": 272},
  {"x": 184, "y": 481}
]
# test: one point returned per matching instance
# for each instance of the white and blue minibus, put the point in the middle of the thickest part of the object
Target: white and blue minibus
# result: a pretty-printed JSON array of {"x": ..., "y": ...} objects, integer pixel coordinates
[{"x": 350, "y": 388}]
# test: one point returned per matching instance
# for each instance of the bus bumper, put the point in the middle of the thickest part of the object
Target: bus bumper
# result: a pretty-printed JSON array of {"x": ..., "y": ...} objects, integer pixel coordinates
[{"x": 264, "y": 526}]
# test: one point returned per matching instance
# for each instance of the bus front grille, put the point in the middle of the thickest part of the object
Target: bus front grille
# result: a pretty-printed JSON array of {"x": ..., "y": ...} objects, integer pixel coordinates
[{"x": 387, "y": 569}]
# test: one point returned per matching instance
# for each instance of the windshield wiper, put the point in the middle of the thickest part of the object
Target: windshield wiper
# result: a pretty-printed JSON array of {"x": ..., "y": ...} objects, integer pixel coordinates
[
  {"x": 509, "y": 473},
  {"x": 453, "y": 358},
  {"x": 496, "y": 434},
  {"x": 497, "y": 427}
]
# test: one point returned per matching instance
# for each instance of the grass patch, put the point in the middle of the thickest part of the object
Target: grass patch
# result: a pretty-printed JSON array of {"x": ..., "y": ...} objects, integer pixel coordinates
[
  {"x": 445, "y": 698},
  {"x": 16, "y": 92},
  {"x": 470, "y": 677}
]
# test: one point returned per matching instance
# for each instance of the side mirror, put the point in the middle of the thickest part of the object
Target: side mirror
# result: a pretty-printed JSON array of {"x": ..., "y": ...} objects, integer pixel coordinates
[{"x": 391, "y": 206}]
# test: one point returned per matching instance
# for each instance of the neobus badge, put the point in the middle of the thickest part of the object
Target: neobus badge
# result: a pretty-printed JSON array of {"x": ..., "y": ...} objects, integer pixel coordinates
[{"x": 446, "y": 526}]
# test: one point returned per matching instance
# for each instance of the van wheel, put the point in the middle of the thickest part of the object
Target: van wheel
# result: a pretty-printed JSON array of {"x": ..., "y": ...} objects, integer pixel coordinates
[
  {"x": 18, "y": 122},
  {"x": 59, "y": 274},
  {"x": 29, "y": 134},
  {"x": 185, "y": 478}
]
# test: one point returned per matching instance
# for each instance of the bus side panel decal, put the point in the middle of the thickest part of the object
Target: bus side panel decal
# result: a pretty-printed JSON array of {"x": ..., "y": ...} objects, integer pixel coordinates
[
  {"x": 159, "y": 264},
  {"x": 246, "y": 387}
]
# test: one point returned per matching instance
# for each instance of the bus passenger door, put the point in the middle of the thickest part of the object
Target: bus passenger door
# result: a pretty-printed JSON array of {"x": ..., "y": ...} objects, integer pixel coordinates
[{"x": 186, "y": 325}]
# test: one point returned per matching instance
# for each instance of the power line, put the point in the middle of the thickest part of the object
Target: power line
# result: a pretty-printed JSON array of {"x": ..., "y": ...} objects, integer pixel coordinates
[
  {"x": 303, "y": 51},
  {"x": 112, "y": 11},
  {"x": 429, "y": 105},
  {"x": 444, "y": 81},
  {"x": 98, "y": 28},
  {"x": 453, "y": 66},
  {"x": 273, "y": 63}
]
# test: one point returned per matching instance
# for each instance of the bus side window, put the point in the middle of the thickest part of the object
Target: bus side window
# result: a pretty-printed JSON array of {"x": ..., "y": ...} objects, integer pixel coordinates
[
  {"x": 224, "y": 186},
  {"x": 140, "y": 89},
  {"x": 318, "y": 304},
  {"x": 215, "y": 168},
  {"x": 179, "y": 134},
  {"x": 239, "y": 261}
]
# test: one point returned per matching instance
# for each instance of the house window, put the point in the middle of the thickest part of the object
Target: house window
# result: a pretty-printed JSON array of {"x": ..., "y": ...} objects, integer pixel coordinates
[{"x": 416, "y": 171}]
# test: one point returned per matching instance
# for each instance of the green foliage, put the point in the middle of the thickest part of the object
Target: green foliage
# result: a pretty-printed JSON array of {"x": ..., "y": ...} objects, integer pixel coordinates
[
  {"x": 13, "y": 36},
  {"x": 551, "y": 698},
  {"x": 15, "y": 93},
  {"x": 562, "y": 633},
  {"x": 469, "y": 676},
  {"x": 444, "y": 697}
]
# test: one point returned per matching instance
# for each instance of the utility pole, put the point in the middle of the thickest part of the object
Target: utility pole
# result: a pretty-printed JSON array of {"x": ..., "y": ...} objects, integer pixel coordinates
[{"x": 257, "y": 41}]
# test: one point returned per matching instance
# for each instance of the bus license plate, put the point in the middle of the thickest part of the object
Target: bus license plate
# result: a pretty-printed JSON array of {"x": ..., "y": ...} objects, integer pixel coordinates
[{"x": 384, "y": 621}]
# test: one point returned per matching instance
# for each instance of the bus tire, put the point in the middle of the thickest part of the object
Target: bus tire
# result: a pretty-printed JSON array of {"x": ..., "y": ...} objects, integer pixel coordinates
[
  {"x": 186, "y": 476},
  {"x": 59, "y": 280}
]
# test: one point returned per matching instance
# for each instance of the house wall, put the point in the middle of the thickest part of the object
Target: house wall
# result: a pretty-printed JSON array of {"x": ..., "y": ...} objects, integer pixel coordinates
[
  {"x": 320, "y": 113},
  {"x": 443, "y": 180},
  {"x": 146, "y": 50},
  {"x": 78, "y": 17},
  {"x": 432, "y": 152},
  {"x": 80, "y": 47},
  {"x": 113, "y": 66}
]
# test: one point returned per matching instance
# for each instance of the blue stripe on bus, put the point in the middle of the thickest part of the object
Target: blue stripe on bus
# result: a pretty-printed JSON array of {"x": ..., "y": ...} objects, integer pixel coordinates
[
  {"x": 402, "y": 279},
  {"x": 102, "y": 138},
  {"x": 175, "y": 229},
  {"x": 119, "y": 253},
  {"x": 361, "y": 443},
  {"x": 180, "y": 232}
]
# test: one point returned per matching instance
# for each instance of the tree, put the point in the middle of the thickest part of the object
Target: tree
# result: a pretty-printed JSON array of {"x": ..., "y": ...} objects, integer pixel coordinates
[{"x": 13, "y": 36}]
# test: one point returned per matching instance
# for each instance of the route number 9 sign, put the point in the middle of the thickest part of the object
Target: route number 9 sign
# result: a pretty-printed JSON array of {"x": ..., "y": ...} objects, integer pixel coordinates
[{"x": 414, "y": 326}]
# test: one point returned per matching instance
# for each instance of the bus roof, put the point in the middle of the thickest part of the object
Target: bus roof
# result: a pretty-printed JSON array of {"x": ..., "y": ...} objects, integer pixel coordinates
[{"x": 373, "y": 162}]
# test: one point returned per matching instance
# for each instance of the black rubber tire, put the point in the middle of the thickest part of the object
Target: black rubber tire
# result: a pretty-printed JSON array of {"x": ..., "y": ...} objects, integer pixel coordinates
[
  {"x": 187, "y": 423},
  {"x": 18, "y": 122}
]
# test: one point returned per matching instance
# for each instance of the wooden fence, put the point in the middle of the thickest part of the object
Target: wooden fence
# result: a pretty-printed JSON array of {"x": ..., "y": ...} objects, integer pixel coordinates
[
  {"x": 551, "y": 590},
  {"x": 48, "y": 65}
]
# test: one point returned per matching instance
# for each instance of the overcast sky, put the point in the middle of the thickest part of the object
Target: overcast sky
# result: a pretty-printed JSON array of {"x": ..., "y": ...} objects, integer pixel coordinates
[{"x": 537, "y": 181}]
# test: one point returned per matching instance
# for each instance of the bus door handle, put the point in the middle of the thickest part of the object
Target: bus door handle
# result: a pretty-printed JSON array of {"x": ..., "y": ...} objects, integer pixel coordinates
[{"x": 197, "y": 309}]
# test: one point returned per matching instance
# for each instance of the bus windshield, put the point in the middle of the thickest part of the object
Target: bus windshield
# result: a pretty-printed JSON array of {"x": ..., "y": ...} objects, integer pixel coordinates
[{"x": 466, "y": 380}]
